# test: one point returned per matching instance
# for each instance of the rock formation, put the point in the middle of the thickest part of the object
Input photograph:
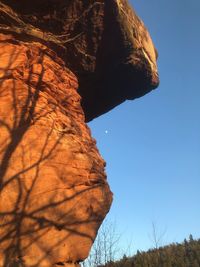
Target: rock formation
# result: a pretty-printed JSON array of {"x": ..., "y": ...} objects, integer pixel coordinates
[{"x": 61, "y": 63}]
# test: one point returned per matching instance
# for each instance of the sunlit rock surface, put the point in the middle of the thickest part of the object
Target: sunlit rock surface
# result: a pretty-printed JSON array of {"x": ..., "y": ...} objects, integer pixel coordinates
[
  {"x": 54, "y": 193},
  {"x": 103, "y": 42},
  {"x": 61, "y": 63}
]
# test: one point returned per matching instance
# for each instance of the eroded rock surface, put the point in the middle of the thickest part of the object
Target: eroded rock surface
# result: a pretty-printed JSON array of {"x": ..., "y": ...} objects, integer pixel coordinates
[
  {"x": 61, "y": 63},
  {"x": 103, "y": 42},
  {"x": 54, "y": 193}
]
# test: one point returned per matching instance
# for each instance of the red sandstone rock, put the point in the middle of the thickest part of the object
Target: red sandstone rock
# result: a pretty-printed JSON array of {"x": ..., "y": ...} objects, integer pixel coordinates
[
  {"x": 103, "y": 42},
  {"x": 54, "y": 192},
  {"x": 55, "y": 54}
]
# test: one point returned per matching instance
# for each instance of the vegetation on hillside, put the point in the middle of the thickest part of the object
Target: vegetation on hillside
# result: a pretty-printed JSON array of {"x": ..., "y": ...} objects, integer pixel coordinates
[{"x": 186, "y": 254}]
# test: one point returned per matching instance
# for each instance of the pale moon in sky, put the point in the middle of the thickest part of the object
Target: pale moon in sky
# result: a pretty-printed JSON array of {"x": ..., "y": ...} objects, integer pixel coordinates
[{"x": 106, "y": 131}]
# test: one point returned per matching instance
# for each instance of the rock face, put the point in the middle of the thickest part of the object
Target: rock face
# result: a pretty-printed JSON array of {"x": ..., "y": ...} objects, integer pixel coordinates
[
  {"x": 61, "y": 63},
  {"x": 103, "y": 42},
  {"x": 54, "y": 193}
]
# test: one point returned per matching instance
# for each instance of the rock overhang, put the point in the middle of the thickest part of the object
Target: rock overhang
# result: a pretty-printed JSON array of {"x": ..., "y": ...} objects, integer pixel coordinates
[
  {"x": 56, "y": 48},
  {"x": 104, "y": 43}
]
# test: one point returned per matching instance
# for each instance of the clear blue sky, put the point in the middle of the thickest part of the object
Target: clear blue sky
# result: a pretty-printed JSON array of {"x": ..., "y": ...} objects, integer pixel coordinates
[{"x": 152, "y": 144}]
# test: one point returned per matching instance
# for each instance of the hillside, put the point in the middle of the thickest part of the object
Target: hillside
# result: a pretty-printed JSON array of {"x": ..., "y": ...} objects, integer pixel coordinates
[{"x": 186, "y": 254}]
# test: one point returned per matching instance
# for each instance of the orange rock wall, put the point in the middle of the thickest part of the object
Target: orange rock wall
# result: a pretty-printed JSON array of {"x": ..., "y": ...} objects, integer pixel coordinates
[{"x": 53, "y": 189}]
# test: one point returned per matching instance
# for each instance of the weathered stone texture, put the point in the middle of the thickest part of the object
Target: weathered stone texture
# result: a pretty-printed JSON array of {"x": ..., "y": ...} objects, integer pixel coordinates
[
  {"x": 54, "y": 193},
  {"x": 61, "y": 63},
  {"x": 103, "y": 42}
]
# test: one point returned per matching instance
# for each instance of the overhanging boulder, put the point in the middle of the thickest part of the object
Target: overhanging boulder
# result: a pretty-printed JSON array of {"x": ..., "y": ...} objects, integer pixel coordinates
[{"x": 61, "y": 63}]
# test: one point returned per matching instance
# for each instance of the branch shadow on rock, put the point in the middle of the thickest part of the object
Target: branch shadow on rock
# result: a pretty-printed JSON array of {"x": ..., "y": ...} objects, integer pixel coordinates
[{"x": 28, "y": 210}]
